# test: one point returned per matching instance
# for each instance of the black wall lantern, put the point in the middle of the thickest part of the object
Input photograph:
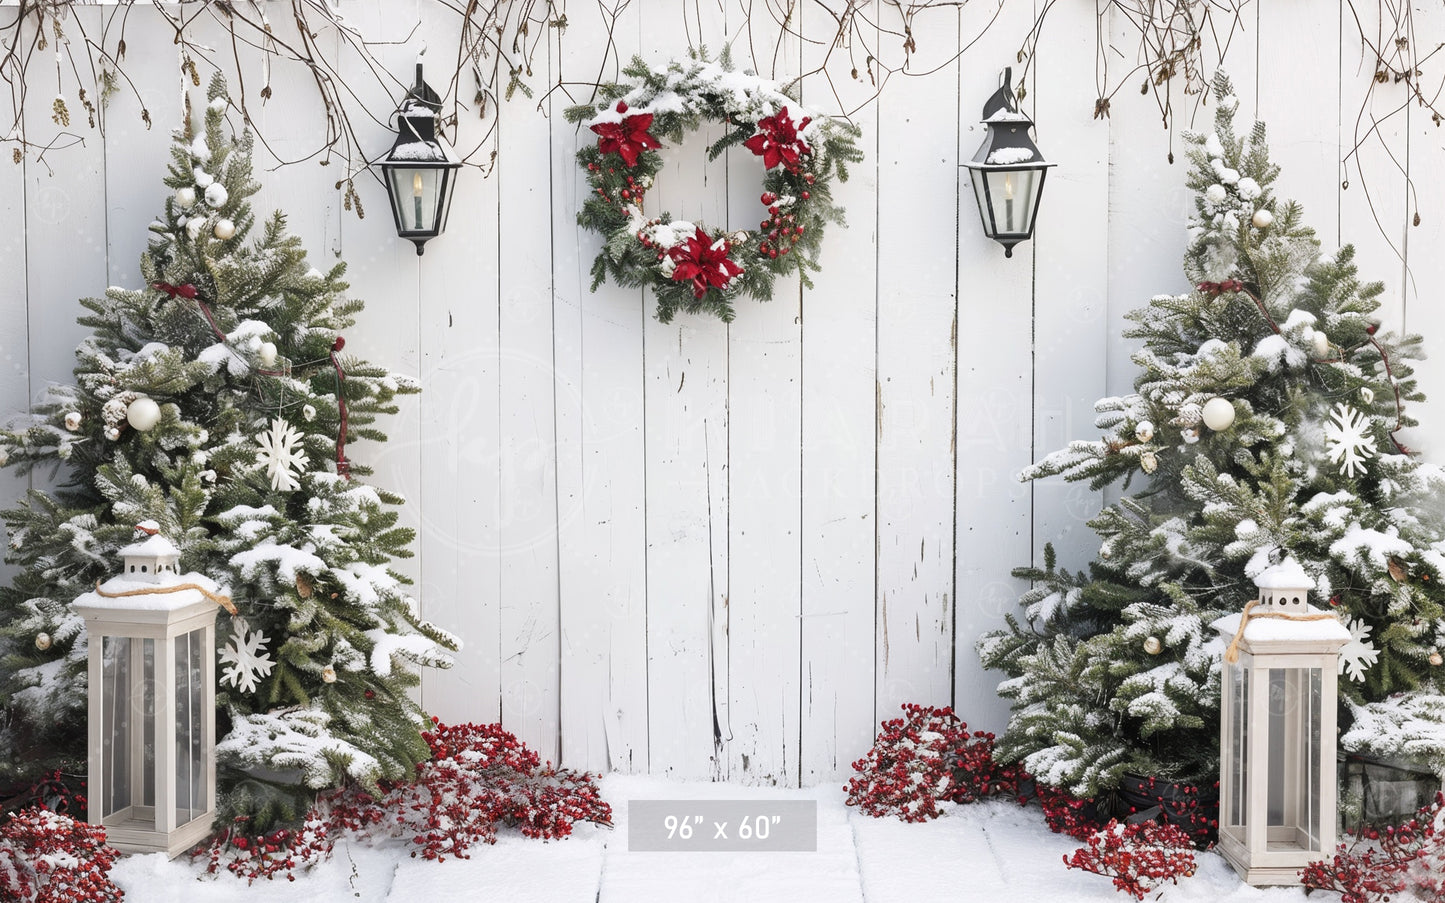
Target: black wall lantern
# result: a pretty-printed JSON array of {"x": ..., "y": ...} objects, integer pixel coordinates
[
  {"x": 1008, "y": 171},
  {"x": 420, "y": 170}
]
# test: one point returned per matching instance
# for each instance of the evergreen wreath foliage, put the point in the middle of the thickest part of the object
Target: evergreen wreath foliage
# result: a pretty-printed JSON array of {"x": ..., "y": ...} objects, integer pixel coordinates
[{"x": 688, "y": 266}]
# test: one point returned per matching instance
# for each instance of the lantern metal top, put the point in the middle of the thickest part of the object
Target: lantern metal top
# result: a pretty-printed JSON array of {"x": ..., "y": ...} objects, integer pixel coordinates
[
  {"x": 1007, "y": 143},
  {"x": 417, "y": 140},
  {"x": 419, "y": 167}
]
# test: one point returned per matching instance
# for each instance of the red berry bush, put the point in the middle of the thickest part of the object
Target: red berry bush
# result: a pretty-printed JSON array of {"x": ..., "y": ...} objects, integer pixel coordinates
[
  {"x": 1139, "y": 857},
  {"x": 46, "y": 857},
  {"x": 1066, "y": 814},
  {"x": 924, "y": 757},
  {"x": 480, "y": 778},
  {"x": 1376, "y": 864}
]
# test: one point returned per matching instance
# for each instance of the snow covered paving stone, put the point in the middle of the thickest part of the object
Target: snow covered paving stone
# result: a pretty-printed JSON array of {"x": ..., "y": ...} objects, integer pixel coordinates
[
  {"x": 996, "y": 851},
  {"x": 828, "y": 876}
]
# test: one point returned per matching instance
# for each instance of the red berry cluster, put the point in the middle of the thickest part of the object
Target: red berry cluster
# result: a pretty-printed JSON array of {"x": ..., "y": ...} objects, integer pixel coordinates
[
  {"x": 780, "y": 230},
  {"x": 1377, "y": 864},
  {"x": 927, "y": 756},
  {"x": 1066, "y": 814},
  {"x": 1139, "y": 857},
  {"x": 1186, "y": 806},
  {"x": 46, "y": 857},
  {"x": 479, "y": 777}
]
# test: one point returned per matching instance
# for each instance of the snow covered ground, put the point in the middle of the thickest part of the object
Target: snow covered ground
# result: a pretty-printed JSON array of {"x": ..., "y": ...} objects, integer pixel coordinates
[{"x": 993, "y": 851}]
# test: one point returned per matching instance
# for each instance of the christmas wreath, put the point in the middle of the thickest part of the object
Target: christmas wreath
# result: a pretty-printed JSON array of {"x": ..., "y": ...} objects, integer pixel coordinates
[{"x": 689, "y": 266}]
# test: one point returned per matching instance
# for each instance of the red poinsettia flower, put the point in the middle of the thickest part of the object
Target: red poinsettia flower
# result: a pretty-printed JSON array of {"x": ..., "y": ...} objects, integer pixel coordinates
[
  {"x": 777, "y": 140},
  {"x": 628, "y": 137},
  {"x": 704, "y": 262}
]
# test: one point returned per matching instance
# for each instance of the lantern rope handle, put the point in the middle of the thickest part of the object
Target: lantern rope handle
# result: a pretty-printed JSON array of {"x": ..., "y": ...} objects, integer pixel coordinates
[
  {"x": 1231, "y": 654},
  {"x": 221, "y": 600}
]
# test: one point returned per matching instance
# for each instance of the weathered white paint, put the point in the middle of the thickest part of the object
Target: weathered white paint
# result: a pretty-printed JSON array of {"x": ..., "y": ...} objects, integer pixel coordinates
[{"x": 708, "y": 550}]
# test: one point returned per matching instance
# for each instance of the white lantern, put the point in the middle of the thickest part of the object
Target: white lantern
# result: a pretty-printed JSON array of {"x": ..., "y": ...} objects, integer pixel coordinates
[
  {"x": 152, "y": 717},
  {"x": 1277, "y": 806}
]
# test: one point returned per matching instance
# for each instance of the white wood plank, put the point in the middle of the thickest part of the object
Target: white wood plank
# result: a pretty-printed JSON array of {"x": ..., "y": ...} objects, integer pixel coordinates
[
  {"x": 65, "y": 224},
  {"x": 1422, "y": 312},
  {"x": 1372, "y": 209},
  {"x": 529, "y": 607},
  {"x": 1070, "y": 296},
  {"x": 918, "y": 193},
  {"x": 686, "y": 425},
  {"x": 995, "y": 386},
  {"x": 15, "y": 337},
  {"x": 839, "y": 539},
  {"x": 137, "y": 157},
  {"x": 1304, "y": 138},
  {"x": 764, "y": 489},
  {"x": 601, "y": 477}
]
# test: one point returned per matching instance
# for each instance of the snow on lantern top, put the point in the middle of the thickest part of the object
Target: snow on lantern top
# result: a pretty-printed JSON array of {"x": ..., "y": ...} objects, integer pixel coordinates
[
  {"x": 1283, "y": 620},
  {"x": 149, "y": 558},
  {"x": 1285, "y": 586}
]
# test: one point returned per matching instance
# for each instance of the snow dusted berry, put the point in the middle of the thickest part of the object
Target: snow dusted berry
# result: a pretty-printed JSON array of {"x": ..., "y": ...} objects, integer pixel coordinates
[
  {"x": 112, "y": 433},
  {"x": 1144, "y": 431},
  {"x": 72, "y": 420}
]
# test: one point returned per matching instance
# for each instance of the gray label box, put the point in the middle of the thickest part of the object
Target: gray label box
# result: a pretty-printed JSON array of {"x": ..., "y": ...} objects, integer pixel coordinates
[{"x": 717, "y": 826}]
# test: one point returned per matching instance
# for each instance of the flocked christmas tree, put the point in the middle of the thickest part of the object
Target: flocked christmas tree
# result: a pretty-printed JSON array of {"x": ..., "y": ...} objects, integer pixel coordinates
[
  {"x": 1266, "y": 418},
  {"x": 216, "y": 401}
]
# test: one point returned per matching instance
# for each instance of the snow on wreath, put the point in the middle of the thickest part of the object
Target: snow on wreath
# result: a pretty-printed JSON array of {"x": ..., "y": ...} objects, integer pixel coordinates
[{"x": 689, "y": 266}]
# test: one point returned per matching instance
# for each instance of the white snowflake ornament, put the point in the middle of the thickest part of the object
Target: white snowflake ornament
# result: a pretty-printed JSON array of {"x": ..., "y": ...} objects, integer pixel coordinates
[
  {"x": 1359, "y": 654},
  {"x": 245, "y": 659},
  {"x": 282, "y": 455},
  {"x": 1347, "y": 435}
]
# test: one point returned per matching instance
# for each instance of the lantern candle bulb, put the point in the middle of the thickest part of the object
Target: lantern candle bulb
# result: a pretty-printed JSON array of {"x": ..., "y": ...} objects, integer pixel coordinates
[
  {"x": 1008, "y": 203},
  {"x": 416, "y": 197}
]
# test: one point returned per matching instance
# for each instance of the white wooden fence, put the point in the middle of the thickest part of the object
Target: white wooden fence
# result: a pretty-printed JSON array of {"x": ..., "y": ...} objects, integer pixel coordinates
[{"x": 710, "y": 550}]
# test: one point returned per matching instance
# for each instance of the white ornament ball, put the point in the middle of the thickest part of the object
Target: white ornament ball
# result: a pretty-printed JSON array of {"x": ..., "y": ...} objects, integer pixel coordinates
[
  {"x": 1321, "y": 344},
  {"x": 143, "y": 414},
  {"x": 186, "y": 197},
  {"x": 267, "y": 354},
  {"x": 1144, "y": 431},
  {"x": 1367, "y": 395},
  {"x": 42, "y": 641},
  {"x": 72, "y": 421},
  {"x": 1218, "y": 414},
  {"x": 328, "y": 674},
  {"x": 225, "y": 229},
  {"x": 1262, "y": 219},
  {"x": 216, "y": 194},
  {"x": 112, "y": 433},
  {"x": 1153, "y": 646}
]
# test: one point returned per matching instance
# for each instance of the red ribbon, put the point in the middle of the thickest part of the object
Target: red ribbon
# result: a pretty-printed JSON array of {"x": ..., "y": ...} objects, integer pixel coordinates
[
  {"x": 1215, "y": 288},
  {"x": 343, "y": 466},
  {"x": 185, "y": 291}
]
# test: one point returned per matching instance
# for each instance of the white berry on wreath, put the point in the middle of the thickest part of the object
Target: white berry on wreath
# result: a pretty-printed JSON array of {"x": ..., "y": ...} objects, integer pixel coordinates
[{"x": 689, "y": 266}]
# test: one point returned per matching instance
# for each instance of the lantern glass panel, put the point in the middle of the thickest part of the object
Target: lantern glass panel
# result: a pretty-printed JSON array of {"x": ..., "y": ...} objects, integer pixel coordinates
[
  {"x": 1012, "y": 196},
  {"x": 190, "y": 728},
  {"x": 1296, "y": 723},
  {"x": 421, "y": 198},
  {"x": 1236, "y": 807},
  {"x": 128, "y": 732}
]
